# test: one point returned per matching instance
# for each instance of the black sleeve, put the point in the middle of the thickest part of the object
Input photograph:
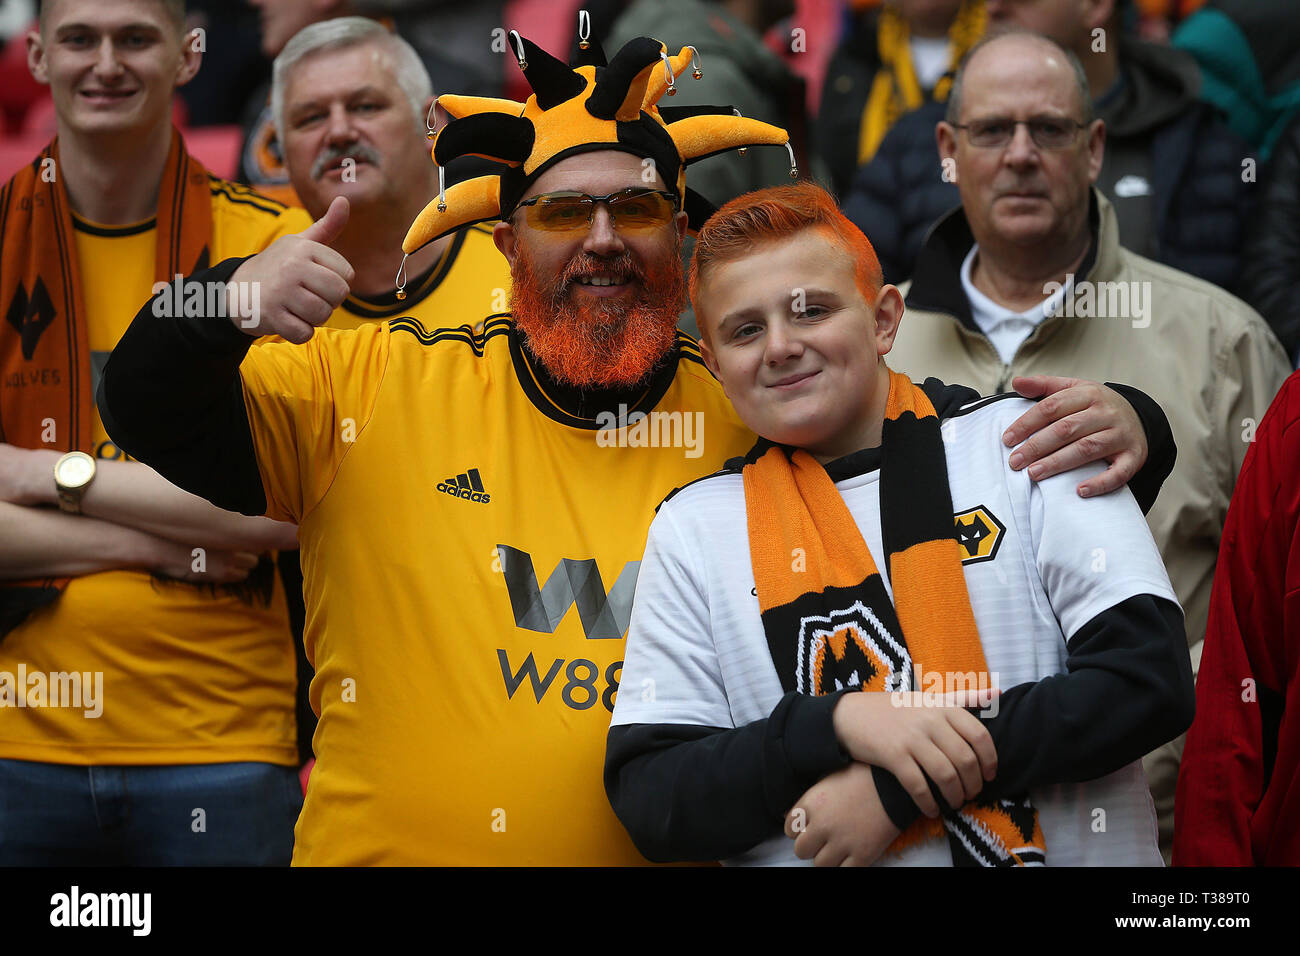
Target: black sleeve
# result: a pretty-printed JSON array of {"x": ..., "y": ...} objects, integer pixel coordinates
[
  {"x": 686, "y": 792},
  {"x": 1162, "y": 451},
  {"x": 704, "y": 793},
  {"x": 170, "y": 396},
  {"x": 1128, "y": 688}
]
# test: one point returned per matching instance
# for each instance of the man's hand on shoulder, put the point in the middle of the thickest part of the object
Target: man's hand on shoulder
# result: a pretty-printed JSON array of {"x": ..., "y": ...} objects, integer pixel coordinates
[
  {"x": 1076, "y": 422},
  {"x": 300, "y": 280}
]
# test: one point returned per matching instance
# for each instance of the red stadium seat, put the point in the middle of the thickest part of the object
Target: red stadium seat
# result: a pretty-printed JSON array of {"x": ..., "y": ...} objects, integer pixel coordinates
[{"x": 18, "y": 89}]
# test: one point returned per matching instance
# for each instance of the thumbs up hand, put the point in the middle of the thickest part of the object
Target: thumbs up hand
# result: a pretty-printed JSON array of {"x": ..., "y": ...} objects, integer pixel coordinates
[{"x": 300, "y": 280}]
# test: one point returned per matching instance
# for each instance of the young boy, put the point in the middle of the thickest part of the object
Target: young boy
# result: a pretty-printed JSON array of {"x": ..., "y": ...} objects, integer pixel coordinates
[{"x": 886, "y": 554}]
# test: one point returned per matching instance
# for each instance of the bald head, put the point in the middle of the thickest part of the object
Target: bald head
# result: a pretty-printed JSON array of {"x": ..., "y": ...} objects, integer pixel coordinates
[
  {"x": 1006, "y": 61},
  {"x": 1024, "y": 151}
]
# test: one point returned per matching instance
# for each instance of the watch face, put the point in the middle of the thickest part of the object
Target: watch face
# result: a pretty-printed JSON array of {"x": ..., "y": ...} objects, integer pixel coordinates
[{"x": 76, "y": 470}]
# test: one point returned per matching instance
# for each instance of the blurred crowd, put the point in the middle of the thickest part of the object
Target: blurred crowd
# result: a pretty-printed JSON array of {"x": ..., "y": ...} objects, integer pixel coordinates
[{"x": 1199, "y": 100}]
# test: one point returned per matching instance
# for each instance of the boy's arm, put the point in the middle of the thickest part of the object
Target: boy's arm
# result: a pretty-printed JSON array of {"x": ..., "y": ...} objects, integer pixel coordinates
[
  {"x": 1127, "y": 686},
  {"x": 684, "y": 780},
  {"x": 1123, "y": 696},
  {"x": 1127, "y": 689},
  {"x": 689, "y": 792}
]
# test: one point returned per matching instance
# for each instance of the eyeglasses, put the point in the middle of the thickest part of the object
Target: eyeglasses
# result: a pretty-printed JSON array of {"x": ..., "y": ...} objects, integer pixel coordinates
[
  {"x": 1047, "y": 132},
  {"x": 632, "y": 210}
]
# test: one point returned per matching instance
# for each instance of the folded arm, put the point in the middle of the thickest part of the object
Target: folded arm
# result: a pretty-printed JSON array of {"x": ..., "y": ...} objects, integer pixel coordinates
[
  {"x": 134, "y": 495},
  {"x": 38, "y": 543},
  {"x": 43, "y": 543},
  {"x": 688, "y": 792}
]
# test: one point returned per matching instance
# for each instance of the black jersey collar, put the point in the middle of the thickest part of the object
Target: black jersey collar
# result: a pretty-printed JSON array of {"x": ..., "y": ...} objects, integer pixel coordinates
[{"x": 586, "y": 407}]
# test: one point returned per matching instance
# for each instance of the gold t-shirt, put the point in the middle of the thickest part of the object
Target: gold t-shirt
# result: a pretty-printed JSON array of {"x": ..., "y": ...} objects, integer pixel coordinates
[
  {"x": 184, "y": 674},
  {"x": 469, "y": 554}
]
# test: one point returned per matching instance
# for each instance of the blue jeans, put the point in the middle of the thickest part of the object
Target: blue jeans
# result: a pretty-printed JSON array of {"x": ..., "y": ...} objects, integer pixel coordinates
[{"x": 220, "y": 814}]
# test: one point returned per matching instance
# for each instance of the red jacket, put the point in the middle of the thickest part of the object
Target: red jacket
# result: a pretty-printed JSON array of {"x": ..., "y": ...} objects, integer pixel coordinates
[{"x": 1238, "y": 799}]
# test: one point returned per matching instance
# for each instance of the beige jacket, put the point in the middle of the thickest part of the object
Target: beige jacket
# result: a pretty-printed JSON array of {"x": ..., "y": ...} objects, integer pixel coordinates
[{"x": 1204, "y": 355}]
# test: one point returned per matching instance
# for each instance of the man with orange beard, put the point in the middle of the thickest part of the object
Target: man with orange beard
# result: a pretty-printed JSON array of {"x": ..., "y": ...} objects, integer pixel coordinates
[{"x": 459, "y": 491}]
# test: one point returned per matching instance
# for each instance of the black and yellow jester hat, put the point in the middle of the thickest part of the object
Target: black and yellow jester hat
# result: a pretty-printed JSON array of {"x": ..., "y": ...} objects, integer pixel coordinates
[{"x": 591, "y": 105}]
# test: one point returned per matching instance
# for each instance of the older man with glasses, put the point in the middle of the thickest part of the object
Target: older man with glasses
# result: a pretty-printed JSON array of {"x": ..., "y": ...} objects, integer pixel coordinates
[
  {"x": 1029, "y": 277},
  {"x": 1172, "y": 171}
]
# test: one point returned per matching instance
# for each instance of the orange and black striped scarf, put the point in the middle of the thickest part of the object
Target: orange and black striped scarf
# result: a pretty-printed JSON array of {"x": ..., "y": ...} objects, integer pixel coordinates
[
  {"x": 44, "y": 342},
  {"x": 828, "y": 618}
]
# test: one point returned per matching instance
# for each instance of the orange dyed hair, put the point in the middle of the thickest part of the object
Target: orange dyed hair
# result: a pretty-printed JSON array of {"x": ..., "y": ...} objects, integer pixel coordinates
[{"x": 778, "y": 212}]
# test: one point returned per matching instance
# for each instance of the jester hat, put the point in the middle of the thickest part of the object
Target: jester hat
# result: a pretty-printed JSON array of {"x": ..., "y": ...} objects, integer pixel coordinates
[{"x": 591, "y": 105}]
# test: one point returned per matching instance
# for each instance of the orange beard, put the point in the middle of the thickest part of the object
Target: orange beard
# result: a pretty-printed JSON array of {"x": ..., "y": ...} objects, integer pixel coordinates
[{"x": 590, "y": 342}]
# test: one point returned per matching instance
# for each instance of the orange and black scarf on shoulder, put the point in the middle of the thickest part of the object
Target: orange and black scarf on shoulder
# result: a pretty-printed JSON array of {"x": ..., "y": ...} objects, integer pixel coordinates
[
  {"x": 45, "y": 364},
  {"x": 830, "y": 623}
]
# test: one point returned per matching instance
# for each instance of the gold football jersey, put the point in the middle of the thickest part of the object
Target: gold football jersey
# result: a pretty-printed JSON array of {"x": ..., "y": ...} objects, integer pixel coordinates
[{"x": 470, "y": 551}]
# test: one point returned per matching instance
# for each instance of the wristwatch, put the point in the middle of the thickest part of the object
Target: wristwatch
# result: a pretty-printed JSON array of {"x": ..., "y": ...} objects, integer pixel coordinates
[{"x": 73, "y": 474}]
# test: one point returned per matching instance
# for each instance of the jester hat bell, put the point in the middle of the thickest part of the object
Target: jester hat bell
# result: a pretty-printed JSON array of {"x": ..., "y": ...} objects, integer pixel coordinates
[{"x": 591, "y": 105}]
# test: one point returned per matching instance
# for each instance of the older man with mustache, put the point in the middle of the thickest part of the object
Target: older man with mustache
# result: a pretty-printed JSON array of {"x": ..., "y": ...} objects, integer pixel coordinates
[
  {"x": 459, "y": 492},
  {"x": 349, "y": 99}
]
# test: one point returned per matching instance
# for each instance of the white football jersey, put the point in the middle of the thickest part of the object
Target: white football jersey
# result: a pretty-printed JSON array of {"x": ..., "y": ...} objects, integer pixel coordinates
[{"x": 1039, "y": 562}]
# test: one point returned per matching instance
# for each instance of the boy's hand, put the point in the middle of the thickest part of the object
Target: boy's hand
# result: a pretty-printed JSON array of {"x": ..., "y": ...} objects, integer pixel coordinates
[
  {"x": 912, "y": 735},
  {"x": 1078, "y": 422},
  {"x": 840, "y": 820}
]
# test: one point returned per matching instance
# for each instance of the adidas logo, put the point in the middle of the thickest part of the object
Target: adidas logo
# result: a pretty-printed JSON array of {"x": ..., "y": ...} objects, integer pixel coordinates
[{"x": 467, "y": 485}]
